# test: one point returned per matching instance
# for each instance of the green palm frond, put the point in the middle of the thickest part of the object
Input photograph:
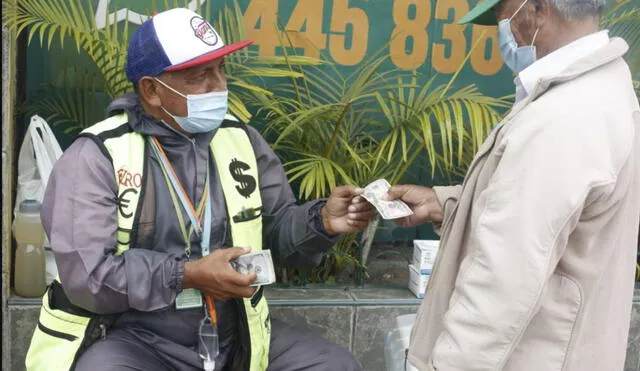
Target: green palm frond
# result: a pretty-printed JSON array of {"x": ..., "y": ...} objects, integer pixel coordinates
[
  {"x": 59, "y": 19},
  {"x": 107, "y": 48},
  {"x": 623, "y": 20},
  {"x": 76, "y": 105},
  {"x": 331, "y": 129}
]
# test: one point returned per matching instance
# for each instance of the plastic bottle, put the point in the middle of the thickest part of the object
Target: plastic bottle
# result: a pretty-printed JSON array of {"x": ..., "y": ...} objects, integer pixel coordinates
[{"x": 29, "y": 273}]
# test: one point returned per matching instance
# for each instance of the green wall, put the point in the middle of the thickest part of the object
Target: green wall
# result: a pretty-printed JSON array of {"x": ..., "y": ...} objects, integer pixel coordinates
[{"x": 416, "y": 34}]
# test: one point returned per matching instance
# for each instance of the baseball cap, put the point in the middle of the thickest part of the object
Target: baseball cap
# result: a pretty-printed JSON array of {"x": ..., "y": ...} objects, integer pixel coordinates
[
  {"x": 482, "y": 14},
  {"x": 173, "y": 40}
]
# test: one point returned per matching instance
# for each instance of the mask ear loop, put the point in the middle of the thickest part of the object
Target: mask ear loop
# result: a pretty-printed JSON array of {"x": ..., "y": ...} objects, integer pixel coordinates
[
  {"x": 170, "y": 88},
  {"x": 534, "y": 36},
  {"x": 517, "y": 10}
]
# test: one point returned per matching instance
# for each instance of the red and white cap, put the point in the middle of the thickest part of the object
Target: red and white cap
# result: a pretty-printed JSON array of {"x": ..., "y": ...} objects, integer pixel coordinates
[{"x": 174, "y": 40}]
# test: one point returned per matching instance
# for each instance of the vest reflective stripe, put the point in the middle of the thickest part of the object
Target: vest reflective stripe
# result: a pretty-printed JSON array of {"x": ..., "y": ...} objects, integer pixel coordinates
[
  {"x": 238, "y": 171},
  {"x": 128, "y": 173}
]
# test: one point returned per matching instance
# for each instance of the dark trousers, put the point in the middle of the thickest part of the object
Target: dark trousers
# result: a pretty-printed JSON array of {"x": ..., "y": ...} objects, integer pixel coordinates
[{"x": 291, "y": 349}]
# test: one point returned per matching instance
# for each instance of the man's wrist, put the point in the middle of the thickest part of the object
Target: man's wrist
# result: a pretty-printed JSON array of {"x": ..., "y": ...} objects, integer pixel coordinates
[
  {"x": 187, "y": 280},
  {"x": 326, "y": 221},
  {"x": 436, "y": 212}
]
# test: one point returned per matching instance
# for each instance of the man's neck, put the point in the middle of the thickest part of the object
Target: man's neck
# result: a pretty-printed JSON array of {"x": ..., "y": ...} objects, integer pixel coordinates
[
  {"x": 160, "y": 115},
  {"x": 567, "y": 32}
]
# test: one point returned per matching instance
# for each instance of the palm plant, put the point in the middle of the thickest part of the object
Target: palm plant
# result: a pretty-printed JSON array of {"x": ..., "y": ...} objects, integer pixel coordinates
[
  {"x": 623, "y": 20},
  {"x": 331, "y": 129},
  {"x": 106, "y": 48}
]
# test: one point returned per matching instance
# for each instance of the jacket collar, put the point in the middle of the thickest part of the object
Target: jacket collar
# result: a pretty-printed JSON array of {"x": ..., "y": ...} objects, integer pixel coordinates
[
  {"x": 616, "y": 48},
  {"x": 143, "y": 123}
]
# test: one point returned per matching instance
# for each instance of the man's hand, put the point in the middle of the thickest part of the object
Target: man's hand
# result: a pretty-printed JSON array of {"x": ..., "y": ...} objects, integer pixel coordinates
[
  {"x": 346, "y": 211},
  {"x": 213, "y": 275},
  {"x": 422, "y": 201}
]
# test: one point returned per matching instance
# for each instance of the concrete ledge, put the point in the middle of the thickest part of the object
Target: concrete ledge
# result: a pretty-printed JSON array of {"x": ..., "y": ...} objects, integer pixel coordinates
[{"x": 356, "y": 318}]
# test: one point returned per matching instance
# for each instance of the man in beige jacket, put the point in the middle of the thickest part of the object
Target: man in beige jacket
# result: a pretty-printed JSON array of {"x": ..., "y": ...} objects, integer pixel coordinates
[{"x": 538, "y": 245}]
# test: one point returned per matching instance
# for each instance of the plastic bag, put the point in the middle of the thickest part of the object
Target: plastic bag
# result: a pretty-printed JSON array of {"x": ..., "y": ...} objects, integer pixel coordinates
[{"x": 39, "y": 151}]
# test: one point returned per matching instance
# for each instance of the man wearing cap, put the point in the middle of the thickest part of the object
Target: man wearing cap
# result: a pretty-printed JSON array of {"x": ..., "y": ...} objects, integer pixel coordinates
[
  {"x": 537, "y": 252},
  {"x": 143, "y": 208}
]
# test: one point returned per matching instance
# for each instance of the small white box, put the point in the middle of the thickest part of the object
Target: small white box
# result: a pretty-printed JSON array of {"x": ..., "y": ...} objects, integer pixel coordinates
[
  {"x": 424, "y": 255},
  {"x": 417, "y": 281}
]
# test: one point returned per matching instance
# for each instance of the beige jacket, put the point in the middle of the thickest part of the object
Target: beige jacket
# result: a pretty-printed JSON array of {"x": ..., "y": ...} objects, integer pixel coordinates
[{"x": 538, "y": 246}]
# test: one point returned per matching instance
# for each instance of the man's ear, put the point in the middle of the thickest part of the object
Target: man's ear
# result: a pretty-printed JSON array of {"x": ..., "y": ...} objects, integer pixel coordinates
[
  {"x": 148, "y": 91},
  {"x": 543, "y": 12}
]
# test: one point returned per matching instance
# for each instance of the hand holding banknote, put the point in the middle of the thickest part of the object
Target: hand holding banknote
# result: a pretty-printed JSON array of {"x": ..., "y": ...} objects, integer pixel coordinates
[
  {"x": 258, "y": 262},
  {"x": 421, "y": 200},
  {"x": 346, "y": 211},
  {"x": 213, "y": 275},
  {"x": 376, "y": 193}
]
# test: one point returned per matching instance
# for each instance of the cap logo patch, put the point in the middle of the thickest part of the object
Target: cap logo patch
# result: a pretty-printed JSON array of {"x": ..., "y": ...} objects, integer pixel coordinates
[{"x": 204, "y": 31}]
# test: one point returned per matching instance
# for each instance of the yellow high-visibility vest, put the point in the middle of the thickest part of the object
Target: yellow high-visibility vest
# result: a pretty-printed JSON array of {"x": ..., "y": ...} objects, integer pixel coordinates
[{"x": 62, "y": 334}]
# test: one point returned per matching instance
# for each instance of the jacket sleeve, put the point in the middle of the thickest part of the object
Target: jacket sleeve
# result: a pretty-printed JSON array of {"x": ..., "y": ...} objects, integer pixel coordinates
[
  {"x": 448, "y": 199},
  {"x": 294, "y": 233},
  {"x": 79, "y": 216},
  {"x": 546, "y": 175}
]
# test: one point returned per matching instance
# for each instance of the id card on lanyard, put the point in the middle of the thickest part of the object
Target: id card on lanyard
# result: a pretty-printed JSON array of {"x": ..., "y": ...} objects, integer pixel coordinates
[{"x": 200, "y": 218}]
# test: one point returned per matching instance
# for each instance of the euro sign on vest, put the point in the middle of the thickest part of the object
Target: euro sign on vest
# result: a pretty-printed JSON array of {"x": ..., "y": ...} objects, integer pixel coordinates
[{"x": 247, "y": 184}]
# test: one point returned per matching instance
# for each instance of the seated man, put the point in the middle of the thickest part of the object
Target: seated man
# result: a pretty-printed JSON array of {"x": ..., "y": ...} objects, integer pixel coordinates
[{"x": 143, "y": 208}]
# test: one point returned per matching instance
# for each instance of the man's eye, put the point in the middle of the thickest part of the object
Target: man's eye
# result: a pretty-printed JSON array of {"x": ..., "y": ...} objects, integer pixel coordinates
[{"x": 198, "y": 78}]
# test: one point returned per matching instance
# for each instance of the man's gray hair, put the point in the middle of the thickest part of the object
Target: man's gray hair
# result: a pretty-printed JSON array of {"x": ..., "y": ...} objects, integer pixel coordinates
[{"x": 573, "y": 10}]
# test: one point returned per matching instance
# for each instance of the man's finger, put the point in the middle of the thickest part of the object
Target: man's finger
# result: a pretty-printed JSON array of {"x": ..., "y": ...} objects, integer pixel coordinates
[
  {"x": 360, "y": 207},
  {"x": 363, "y": 215},
  {"x": 234, "y": 252},
  {"x": 346, "y": 191},
  {"x": 358, "y": 224},
  {"x": 359, "y": 200},
  {"x": 240, "y": 279},
  {"x": 396, "y": 192}
]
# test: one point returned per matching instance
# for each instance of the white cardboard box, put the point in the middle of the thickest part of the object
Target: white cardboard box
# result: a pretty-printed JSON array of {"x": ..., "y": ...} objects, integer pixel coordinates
[
  {"x": 417, "y": 281},
  {"x": 424, "y": 254}
]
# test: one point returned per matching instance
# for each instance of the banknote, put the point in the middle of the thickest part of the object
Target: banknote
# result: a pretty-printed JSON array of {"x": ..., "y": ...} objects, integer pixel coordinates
[
  {"x": 259, "y": 262},
  {"x": 387, "y": 209}
]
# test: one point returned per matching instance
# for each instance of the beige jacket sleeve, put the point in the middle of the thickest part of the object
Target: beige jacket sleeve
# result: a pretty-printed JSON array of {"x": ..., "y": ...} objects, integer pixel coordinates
[
  {"x": 447, "y": 198},
  {"x": 519, "y": 230}
]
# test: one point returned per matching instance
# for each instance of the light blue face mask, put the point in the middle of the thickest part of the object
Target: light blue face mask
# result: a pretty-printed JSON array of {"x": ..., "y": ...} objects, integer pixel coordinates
[
  {"x": 205, "y": 112},
  {"x": 517, "y": 58}
]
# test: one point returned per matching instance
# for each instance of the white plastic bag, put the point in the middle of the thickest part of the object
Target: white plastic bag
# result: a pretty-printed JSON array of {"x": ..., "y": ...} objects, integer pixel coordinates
[{"x": 39, "y": 151}]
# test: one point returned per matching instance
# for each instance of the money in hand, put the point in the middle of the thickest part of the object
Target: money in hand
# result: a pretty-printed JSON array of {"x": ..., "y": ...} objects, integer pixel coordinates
[
  {"x": 387, "y": 209},
  {"x": 259, "y": 262}
]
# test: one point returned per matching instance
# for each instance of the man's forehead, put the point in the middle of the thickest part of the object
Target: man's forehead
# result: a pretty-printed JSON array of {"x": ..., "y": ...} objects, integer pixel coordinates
[{"x": 199, "y": 68}]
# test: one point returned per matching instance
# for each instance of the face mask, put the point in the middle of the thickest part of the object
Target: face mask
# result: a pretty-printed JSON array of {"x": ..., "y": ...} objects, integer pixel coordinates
[
  {"x": 517, "y": 58},
  {"x": 205, "y": 112}
]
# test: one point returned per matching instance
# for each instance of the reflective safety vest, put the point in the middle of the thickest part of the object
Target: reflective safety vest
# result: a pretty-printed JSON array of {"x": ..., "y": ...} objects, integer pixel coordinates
[{"x": 65, "y": 331}]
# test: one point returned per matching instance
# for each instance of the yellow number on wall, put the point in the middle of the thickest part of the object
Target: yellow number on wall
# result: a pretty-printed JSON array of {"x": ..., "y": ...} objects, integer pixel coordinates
[
  {"x": 479, "y": 63},
  {"x": 415, "y": 28},
  {"x": 261, "y": 22},
  {"x": 307, "y": 13},
  {"x": 454, "y": 33},
  {"x": 342, "y": 16}
]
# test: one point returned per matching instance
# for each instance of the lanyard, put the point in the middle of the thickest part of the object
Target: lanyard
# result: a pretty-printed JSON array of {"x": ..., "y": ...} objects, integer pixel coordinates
[{"x": 199, "y": 222}]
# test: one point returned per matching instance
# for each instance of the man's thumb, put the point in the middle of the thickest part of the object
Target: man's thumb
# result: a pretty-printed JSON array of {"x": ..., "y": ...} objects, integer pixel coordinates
[{"x": 395, "y": 192}]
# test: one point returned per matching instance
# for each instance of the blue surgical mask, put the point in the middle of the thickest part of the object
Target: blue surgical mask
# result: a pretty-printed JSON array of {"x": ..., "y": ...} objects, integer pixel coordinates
[
  {"x": 517, "y": 58},
  {"x": 205, "y": 112}
]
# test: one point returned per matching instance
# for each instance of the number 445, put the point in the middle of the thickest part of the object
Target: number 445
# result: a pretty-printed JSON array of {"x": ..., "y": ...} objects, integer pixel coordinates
[
  {"x": 304, "y": 31},
  {"x": 261, "y": 20}
]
